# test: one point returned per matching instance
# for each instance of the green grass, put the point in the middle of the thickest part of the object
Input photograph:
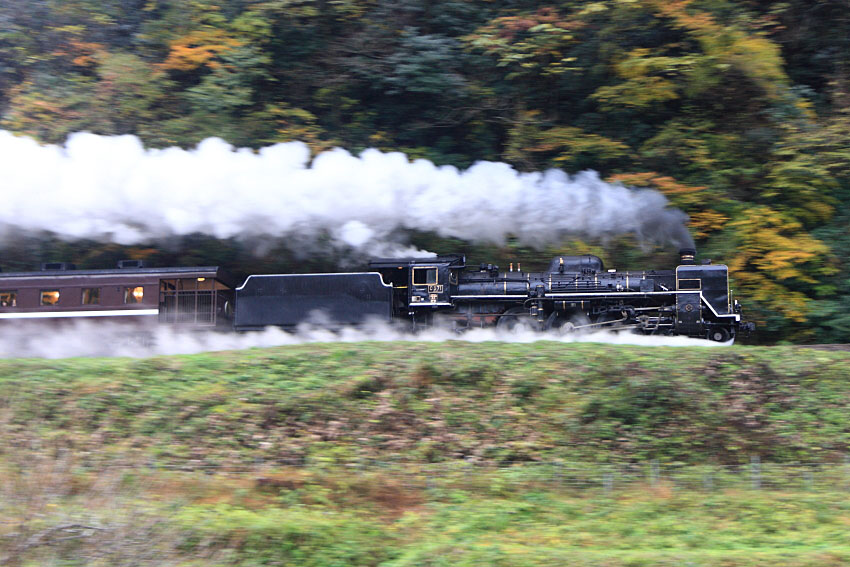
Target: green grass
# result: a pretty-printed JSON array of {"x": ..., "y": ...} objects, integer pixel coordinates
[
  {"x": 539, "y": 528},
  {"x": 380, "y": 437},
  {"x": 433, "y": 402},
  {"x": 321, "y": 519}
]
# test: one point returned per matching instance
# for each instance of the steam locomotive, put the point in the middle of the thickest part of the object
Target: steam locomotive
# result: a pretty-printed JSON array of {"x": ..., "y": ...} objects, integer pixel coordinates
[{"x": 574, "y": 294}]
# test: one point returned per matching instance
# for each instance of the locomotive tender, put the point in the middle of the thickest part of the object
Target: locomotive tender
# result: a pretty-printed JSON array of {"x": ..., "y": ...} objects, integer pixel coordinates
[{"x": 575, "y": 293}]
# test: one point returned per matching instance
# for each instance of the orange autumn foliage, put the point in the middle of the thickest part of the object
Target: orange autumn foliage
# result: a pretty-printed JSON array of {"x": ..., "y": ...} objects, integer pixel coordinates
[
  {"x": 774, "y": 256},
  {"x": 692, "y": 199},
  {"x": 198, "y": 48}
]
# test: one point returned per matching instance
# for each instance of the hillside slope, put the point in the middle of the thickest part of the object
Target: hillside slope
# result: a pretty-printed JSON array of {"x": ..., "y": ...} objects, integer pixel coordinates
[
  {"x": 439, "y": 401},
  {"x": 428, "y": 454}
]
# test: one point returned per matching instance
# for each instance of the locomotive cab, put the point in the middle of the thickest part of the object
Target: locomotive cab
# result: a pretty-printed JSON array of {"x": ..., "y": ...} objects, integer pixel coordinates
[
  {"x": 430, "y": 285},
  {"x": 421, "y": 285}
]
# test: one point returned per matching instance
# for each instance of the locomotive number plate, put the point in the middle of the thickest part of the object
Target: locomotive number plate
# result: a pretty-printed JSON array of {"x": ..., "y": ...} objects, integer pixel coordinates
[{"x": 435, "y": 288}]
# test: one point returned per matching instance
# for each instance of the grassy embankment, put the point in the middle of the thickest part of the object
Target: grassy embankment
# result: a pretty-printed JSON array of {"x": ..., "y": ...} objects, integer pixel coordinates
[{"x": 320, "y": 455}]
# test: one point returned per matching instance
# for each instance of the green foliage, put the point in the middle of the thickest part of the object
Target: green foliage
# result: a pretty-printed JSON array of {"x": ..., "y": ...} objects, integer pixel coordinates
[
  {"x": 645, "y": 82},
  {"x": 529, "y": 45},
  {"x": 423, "y": 64},
  {"x": 296, "y": 536}
]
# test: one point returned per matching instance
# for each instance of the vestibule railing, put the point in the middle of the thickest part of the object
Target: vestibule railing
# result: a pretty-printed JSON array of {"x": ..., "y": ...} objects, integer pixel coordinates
[{"x": 196, "y": 307}]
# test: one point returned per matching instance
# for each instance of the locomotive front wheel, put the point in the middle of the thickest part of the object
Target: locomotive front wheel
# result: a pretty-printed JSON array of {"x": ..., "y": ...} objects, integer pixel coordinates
[{"x": 719, "y": 335}]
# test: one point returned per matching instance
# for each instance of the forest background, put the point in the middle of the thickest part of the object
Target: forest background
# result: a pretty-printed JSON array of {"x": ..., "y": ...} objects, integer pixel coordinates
[{"x": 738, "y": 111}]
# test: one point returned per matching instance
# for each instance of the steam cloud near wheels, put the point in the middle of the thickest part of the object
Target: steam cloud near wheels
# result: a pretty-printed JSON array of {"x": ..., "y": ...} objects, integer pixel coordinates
[
  {"x": 107, "y": 338},
  {"x": 113, "y": 188}
]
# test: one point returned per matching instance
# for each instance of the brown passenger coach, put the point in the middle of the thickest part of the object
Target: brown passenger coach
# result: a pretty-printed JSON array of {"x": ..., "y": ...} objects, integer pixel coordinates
[{"x": 181, "y": 296}]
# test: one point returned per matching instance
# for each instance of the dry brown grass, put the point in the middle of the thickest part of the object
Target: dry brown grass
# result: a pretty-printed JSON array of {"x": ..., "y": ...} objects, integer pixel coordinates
[{"x": 52, "y": 511}]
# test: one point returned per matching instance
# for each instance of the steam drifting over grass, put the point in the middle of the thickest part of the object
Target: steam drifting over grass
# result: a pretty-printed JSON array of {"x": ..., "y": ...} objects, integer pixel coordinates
[{"x": 106, "y": 338}]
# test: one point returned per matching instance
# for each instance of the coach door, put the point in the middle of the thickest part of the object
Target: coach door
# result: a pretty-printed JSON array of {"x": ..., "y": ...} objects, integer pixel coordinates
[{"x": 193, "y": 301}]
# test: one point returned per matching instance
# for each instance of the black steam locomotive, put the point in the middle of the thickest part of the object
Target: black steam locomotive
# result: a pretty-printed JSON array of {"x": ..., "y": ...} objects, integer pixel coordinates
[{"x": 575, "y": 293}]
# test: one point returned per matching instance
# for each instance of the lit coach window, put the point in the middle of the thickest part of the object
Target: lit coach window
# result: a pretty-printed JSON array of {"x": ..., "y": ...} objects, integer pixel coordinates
[
  {"x": 8, "y": 298},
  {"x": 91, "y": 296},
  {"x": 134, "y": 294},
  {"x": 50, "y": 297}
]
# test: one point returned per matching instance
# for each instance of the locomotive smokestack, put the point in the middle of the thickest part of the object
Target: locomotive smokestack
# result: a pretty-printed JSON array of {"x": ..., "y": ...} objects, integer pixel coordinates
[{"x": 686, "y": 256}]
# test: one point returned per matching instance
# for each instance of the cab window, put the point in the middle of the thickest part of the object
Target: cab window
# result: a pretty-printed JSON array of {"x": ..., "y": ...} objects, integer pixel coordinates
[{"x": 424, "y": 276}]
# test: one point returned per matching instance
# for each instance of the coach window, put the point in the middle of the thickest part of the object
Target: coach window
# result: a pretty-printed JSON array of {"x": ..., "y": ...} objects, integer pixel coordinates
[
  {"x": 424, "y": 276},
  {"x": 50, "y": 297},
  {"x": 134, "y": 294},
  {"x": 91, "y": 295},
  {"x": 8, "y": 298}
]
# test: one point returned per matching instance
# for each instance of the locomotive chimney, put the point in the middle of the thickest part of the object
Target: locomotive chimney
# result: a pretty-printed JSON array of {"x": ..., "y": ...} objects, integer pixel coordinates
[{"x": 686, "y": 256}]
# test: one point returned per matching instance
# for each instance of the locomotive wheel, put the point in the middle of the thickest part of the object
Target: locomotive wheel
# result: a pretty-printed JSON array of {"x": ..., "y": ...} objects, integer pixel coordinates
[
  {"x": 514, "y": 319},
  {"x": 566, "y": 323},
  {"x": 719, "y": 334}
]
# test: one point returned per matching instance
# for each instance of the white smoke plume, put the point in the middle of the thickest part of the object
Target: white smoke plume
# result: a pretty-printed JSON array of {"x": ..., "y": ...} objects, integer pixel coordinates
[
  {"x": 113, "y": 188},
  {"x": 110, "y": 339}
]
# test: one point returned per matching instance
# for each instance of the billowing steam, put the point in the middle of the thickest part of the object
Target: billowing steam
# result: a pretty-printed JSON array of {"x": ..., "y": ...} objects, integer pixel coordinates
[
  {"x": 113, "y": 188},
  {"x": 106, "y": 339}
]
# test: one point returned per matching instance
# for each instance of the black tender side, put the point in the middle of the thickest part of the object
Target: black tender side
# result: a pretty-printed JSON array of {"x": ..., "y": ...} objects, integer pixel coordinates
[{"x": 327, "y": 299}]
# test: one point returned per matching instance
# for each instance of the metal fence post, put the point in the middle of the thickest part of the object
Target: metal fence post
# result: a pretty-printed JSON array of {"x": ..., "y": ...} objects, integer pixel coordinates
[
  {"x": 608, "y": 482},
  {"x": 653, "y": 473},
  {"x": 708, "y": 482},
  {"x": 755, "y": 472}
]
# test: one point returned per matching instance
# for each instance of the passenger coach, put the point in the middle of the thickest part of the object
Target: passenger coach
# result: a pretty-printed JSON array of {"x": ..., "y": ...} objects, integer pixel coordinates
[{"x": 132, "y": 292}]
